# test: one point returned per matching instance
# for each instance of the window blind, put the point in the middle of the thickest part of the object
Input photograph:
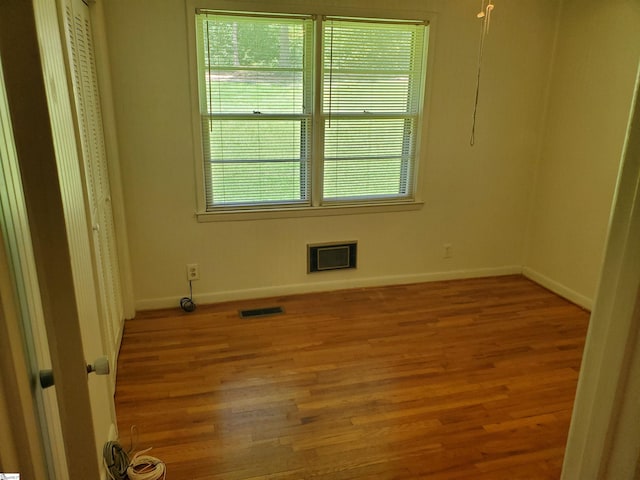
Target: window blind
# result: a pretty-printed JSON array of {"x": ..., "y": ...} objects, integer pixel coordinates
[
  {"x": 372, "y": 77},
  {"x": 255, "y": 79}
]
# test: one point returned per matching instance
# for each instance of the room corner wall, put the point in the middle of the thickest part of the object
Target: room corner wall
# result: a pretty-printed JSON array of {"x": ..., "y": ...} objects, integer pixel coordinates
[
  {"x": 475, "y": 198},
  {"x": 596, "y": 57}
]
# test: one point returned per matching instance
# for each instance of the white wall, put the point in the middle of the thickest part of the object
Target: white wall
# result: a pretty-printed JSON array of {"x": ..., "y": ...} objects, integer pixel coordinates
[
  {"x": 475, "y": 198},
  {"x": 592, "y": 85},
  {"x": 604, "y": 439}
]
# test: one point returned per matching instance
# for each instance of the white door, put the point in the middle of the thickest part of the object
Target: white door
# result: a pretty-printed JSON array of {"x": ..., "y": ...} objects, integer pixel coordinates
[
  {"x": 51, "y": 233},
  {"x": 86, "y": 97},
  {"x": 22, "y": 307},
  {"x": 77, "y": 217}
]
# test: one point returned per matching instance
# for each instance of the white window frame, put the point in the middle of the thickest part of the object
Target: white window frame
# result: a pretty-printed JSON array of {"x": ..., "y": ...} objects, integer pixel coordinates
[{"x": 422, "y": 11}]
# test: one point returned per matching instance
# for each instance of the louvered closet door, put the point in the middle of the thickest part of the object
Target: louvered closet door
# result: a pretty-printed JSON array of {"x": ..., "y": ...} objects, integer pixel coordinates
[{"x": 87, "y": 101}]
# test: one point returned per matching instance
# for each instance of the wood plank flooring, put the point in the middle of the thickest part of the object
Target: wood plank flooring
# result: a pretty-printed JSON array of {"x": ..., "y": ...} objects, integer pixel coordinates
[{"x": 469, "y": 379}]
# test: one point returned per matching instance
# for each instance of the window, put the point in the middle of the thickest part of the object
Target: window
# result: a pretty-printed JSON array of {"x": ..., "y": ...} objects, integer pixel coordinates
[{"x": 308, "y": 111}]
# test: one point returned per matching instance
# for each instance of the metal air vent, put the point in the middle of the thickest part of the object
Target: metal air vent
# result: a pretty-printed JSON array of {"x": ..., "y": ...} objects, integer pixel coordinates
[{"x": 331, "y": 256}]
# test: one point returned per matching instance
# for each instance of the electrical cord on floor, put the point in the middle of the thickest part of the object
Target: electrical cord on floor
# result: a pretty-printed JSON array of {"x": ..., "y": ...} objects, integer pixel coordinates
[
  {"x": 116, "y": 460},
  {"x": 140, "y": 467},
  {"x": 146, "y": 467},
  {"x": 186, "y": 303}
]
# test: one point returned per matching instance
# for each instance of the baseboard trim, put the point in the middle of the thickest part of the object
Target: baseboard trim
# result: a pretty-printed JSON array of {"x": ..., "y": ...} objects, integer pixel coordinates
[
  {"x": 114, "y": 356},
  {"x": 293, "y": 289},
  {"x": 113, "y": 433},
  {"x": 558, "y": 288}
]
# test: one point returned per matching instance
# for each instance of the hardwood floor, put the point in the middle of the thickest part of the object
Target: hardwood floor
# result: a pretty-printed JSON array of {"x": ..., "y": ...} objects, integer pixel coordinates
[{"x": 470, "y": 379}]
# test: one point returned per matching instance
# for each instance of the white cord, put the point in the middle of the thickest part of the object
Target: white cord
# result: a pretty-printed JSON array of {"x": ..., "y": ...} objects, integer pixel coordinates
[{"x": 146, "y": 467}]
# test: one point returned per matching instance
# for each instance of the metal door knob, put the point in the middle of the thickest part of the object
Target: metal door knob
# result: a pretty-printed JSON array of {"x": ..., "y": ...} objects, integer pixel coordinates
[{"x": 100, "y": 366}]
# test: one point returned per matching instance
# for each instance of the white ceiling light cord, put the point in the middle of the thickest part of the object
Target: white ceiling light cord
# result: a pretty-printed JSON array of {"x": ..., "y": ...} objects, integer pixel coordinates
[{"x": 485, "y": 15}]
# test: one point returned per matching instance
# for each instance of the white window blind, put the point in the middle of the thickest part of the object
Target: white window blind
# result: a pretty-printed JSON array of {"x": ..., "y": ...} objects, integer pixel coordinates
[
  {"x": 280, "y": 124},
  {"x": 255, "y": 77},
  {"x": 372, "y": 93}
]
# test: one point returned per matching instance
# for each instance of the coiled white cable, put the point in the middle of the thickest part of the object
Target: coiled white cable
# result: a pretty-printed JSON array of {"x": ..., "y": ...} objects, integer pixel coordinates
[{"x": 146, "y": 467}]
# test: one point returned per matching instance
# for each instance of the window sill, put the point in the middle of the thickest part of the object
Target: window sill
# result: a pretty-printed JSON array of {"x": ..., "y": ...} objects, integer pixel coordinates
[{"x": 295, "y": 212}]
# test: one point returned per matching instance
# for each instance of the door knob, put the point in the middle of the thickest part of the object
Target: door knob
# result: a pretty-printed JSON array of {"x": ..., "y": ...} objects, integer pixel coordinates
[
  {"x": 46, "y": 378},
  {"x": 100, "y": 366}
]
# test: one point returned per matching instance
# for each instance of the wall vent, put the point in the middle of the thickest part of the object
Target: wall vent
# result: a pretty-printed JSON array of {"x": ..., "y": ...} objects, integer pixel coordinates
[{"x": 331, "y": 256}]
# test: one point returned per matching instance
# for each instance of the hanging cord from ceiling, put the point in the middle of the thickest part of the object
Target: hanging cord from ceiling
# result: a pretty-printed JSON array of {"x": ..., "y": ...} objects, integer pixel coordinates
[{"x": 485, "y": 16}]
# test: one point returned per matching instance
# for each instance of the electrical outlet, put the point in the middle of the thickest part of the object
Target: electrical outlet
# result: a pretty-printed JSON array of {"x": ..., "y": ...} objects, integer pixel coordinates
[
  {"x": 193, "y": 272},
  {"x": 447, "y": 251}
]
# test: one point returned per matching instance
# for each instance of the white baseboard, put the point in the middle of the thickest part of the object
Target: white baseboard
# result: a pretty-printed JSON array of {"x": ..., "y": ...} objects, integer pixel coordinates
[
  {"x": 113, "y": 433},
  {"x": 558, "y": 288},
  {"x": 292, "y": 289},
  {"x": 114, "y": 356}
]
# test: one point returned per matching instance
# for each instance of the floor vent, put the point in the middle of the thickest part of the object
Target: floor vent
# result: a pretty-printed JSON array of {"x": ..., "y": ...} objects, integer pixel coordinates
[{"x": 261, "y": 312}]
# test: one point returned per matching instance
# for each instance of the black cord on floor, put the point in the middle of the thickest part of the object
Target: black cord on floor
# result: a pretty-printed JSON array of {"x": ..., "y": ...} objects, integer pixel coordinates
[
  {"x": 186, "y": 303},
  {"x": 115, "y": 460}
]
